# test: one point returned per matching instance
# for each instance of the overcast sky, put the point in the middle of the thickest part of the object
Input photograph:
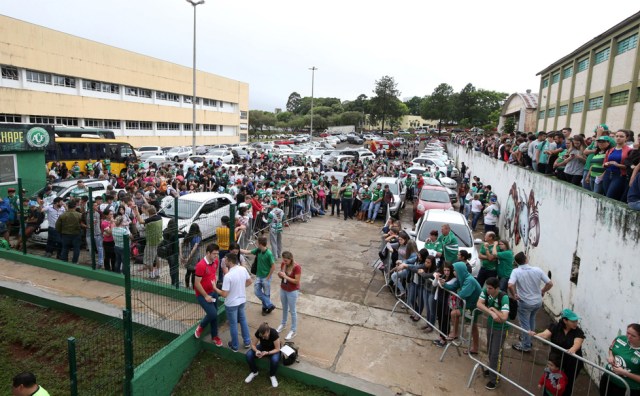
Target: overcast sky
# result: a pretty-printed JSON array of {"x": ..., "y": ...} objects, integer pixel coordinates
[{"x": 496, "y": 44}]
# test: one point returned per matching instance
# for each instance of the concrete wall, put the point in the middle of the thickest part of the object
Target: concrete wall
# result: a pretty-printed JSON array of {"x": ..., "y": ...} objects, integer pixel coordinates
[{"x": 586, "y": 243}]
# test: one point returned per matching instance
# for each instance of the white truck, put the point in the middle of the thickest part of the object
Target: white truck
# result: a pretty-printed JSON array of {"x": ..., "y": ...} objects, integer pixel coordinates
[{"x": 341, "y": 129}]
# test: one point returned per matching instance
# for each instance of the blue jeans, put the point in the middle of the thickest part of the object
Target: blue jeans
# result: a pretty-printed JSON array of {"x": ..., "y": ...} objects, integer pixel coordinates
[
  {"x": 527, "y": 319},
  {"x": 397, "y": 277},
  {"x": 613, "y": 185},
  {"x": 117, "y": 266},
  {"x": 476, "y": 217},
  {"x": 262, "y": 290},
  {"x": 596, "y": 187},
  {"x": 234, "y": 315},
  {"x": 288, "y": 301},
  {"x": 211, "y": 313},
  {"x": 634, "y": 205},
  {"x": 99, "y": 250},
  {"x": 53, "y": 241},
  {"x": 365, "y": 206},
  {"x": 374, "y": 207},
  {"x": 429, "y": 305},
  {"x": 69, "y": 240},
  {"x": 585, "y": 185},
  {"x": 274, "y": 361}
]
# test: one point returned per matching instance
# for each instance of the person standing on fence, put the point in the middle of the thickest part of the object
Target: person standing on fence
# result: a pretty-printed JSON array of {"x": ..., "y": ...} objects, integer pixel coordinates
[
  {"x": 266, "y": 344},
  {"x": 503, "y": 252},
  {"x": 568, "y": 335},
  {"x": 524, "y": 286},
  {"x": 25, "y": 384},
  {"x": 206, "y": 271},
  {"x": 289, "y": 274},
  {"x": 53, "y": 212},
  {"x": 495, "y": 304},
  {"x": 624, "y": 360},
  {"x": 68, "y": 226},
  {"x": 275, "y": 219},
  {"x": 233, "y": 290},
  {"x": 264, "y": 269}
]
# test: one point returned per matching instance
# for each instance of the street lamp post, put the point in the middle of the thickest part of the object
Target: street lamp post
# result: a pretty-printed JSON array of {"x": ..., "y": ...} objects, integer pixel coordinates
[
  {"x": 193, "y": 98},
  {"x": 313, "y": 72}
]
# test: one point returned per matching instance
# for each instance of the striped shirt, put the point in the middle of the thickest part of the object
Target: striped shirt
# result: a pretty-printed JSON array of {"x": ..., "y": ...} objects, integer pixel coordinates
[{"x": 118, "y": 234}]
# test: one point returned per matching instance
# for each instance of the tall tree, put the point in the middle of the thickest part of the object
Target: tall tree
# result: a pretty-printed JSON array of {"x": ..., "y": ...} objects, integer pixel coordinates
[
  {"x": 293, "y": 102},
  {"x": 438, "y": 105},
  {"x": 413, "y": 105},
  {"x": 384, "y": 104}
]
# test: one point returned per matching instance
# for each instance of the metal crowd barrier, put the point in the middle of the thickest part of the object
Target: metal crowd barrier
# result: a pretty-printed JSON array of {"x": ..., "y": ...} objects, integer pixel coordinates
[{"x": 524, "y": 370}]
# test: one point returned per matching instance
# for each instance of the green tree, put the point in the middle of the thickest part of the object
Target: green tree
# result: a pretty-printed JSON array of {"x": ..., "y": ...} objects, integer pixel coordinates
[
  {"x": 350, "y": 118},
  {"x": 413, "y": 105},
  {"x": 285, "y": 116},
  {"x": 293, "y": 102},
  {"x": 385, "y": 104},
  {"x": 323, "y": 111},
  {"x": 509, "y": 125},
  {"x": 438, "y": 106},
  {"x": 465, "y": 103}
]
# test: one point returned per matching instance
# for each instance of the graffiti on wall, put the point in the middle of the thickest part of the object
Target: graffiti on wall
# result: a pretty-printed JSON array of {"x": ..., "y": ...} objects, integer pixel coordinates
[{"x": 522, "y": 223}]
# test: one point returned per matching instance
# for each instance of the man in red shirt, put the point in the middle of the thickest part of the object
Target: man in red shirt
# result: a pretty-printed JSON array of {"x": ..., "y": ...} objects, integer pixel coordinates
[{"x": 205, "y": 272}]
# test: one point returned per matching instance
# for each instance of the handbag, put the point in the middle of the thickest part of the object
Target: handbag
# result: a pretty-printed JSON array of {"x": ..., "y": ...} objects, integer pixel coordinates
[{"x": 254, "y": 266}]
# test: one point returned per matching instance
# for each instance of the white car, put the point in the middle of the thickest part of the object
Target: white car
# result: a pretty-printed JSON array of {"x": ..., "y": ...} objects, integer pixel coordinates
[
  {"x": 434, "y": 219},
  {"x": 397, "y": 188},
  {"x": 203, "y": 208},
  {"x": 179, "y": 153},
  {"x": 282, "y": 148},
  {"x": 224, "y": 154},
  {"x": 147, "y": 151},
  {"x": 157, "y": 159}
]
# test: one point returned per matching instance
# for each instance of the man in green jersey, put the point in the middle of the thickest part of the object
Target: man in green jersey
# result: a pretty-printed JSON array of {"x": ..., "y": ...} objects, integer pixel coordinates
[
  {"x": 376, "y": 202},
  {"x": 449, "y": 244}
]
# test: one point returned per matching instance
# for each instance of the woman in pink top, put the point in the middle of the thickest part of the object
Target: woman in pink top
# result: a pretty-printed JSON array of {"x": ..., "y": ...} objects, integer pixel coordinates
[{"x": 106, "y": 225}]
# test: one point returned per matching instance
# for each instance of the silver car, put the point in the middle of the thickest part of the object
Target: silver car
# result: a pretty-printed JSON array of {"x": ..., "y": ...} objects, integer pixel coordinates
[{"x": 397, "y": 188}]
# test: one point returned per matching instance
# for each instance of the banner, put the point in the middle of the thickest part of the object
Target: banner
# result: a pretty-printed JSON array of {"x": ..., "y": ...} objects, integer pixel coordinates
[{"x": 26, "y": 137}]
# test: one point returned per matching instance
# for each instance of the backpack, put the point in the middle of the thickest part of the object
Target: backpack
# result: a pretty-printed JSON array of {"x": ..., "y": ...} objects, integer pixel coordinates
[
  {"x": 513, "y": 305},
  {"x": 165, "y": 249},
  {"x": 293, "y": 356}
]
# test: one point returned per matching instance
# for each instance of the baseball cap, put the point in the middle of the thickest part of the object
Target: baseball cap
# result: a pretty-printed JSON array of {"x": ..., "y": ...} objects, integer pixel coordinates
[
  {"x": 493, "y": 199},
  {"x": 569, "y": 314},
  {"x": 11, "y": 190},
  {"x": 606, "y": 139},
  {"x": 274, "y": 202}
]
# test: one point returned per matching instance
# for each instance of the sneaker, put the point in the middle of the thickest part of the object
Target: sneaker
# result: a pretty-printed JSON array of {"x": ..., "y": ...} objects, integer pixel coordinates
[
  {"x": 490, "y": 385},
  {"x": 280, "y": 328},
  {"x": 198, "y": 332},
  {"x": 250, "y": 377},
  {"x": 216, "y": 340},
  {"x": 290, "y": 336},
  {"x": 247, "y": 346},
  {"x": 486, "y": 372},
  {"x": 274, "y": 381},
  {"x": 270, "y": 309},
  {"x": 231, "y": 347},
  {"x": 440, "y": 343},
  {"x": 520, "y": 348}
]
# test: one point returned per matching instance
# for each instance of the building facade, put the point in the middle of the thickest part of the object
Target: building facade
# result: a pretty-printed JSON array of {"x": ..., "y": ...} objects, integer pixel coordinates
[
  {"x": 597, "y": 83},
  {"x": 522, "y": 108},
  {"x": 50, "y": 77}
]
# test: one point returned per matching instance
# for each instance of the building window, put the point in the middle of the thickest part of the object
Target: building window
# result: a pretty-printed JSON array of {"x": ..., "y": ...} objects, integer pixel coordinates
[
  {"x": 90, "y": 122},
  {"x": 209, "y": 102},
  {"x": 619, "y": 98},
  {"x": 551, "y": 112},
  {"x": 638, "y": 95},
  {"x": 628, "y": 44},
  {"x": 146, "y": 125},
  {"x": 174, "y": 126},
  {"x": 595, "y": 103},
  {"x": 243, "y": 126},
  {"x": 139, "y": 92},
  {"x": 67, "y": 121},
  {"x": 602, "y": 55},
  {"x": 36, "y": 119},
  {"x": 583, "y": 65},
  {"x": 209, "y": 127},
  {"x": 10, "y": 118},
  {"x": 221, "y": 104},
  {"x": 187, "y": 127},
  {"x": 132, "y": 125},
  {"x": 243, "y": 137},
  {"x": 9, "y": 72},
  {"x": 555, "y": 78},
  {"x": 243, "y": 115},
  {"x": 62, "y": 81},
  {"x": 91, "y": 85},
  {"x": 112, "y": 124},
  {"x": 187, "y": 99},
  {"x": 541, "y": 115},
  {"x": 567, "y": 72},
  {"x": 37, "y": 77},
  {"x": 577, "y": 107},
  {"x": 545, "y": 83},
  {"x": 162, "y": 126},
  {"x": 9, "y": 166},
  {"x": 171, "y": 97},
  {"x": 564, "y": 110}
]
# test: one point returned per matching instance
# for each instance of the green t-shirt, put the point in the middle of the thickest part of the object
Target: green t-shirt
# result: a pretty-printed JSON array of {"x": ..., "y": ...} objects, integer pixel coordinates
[
  {"x": 597, "y": 167},
  {"x": 487, "y": 264},
  {"x": 502, "y": 305},
  {"x": 430, "y": 245},
  {"x": 347, "y": 193},
  {"x": 265, "y": 261},
  {"x": 561, "y": 158},
  {"x": 505, "y": 264},
  {"x": 628, "y": 359},
  {"x": 449, "y": 245},
  {"x": 376, "y": 195},
  {"x": 587, "y": 164},
  {"x": 544, "y": 158},
  {"x": 366, "y": 196},
  {"x": 335, "y": 192},
  {"x": 275, "y": 218},
  {"x": 4, "y": 244}
]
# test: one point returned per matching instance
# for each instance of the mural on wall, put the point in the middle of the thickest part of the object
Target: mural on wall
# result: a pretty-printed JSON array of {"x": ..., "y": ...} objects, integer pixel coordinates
[{"x": 521, "y": 218}]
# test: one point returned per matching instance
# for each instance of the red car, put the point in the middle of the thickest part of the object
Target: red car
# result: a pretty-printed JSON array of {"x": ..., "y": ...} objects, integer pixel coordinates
[
  {"x": 324, "y": 134},
  {"x": 284, "y": 142},
  {"x": 431, "y": 197}
]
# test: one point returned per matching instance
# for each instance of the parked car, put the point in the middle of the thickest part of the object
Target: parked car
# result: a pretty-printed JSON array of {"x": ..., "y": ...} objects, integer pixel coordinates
[
  {"x": 179, "y": 153},
  {"x": 431, "y": 197},
  {"x": 200, "y": 150},
  {"x": 355, "y": 139},
  {"x": 147, "y": 151},
  {"x": 398, "y": 190},
  {"x": 224, "y": 154},
  {"x": 63, "y": 189},
  {"x": 203, "y": 208},
  {"x": 434, "y": 219}
]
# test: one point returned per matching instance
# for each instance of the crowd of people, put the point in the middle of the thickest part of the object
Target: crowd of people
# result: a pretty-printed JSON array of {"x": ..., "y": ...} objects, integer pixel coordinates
[{"x": 603, "y": 162}]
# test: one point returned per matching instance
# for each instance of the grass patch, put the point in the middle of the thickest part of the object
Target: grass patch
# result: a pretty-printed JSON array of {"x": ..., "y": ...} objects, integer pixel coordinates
[
  {"x": 34, "y": 338},
  {"x": 209, "y": 374}
]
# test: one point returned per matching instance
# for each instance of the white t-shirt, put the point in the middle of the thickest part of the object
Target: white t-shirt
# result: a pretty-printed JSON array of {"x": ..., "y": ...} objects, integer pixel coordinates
[
  {"x": 234, "y": 282},
  {"x": 489, "y": 217},
  {"x": 476, "y": 206}
]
